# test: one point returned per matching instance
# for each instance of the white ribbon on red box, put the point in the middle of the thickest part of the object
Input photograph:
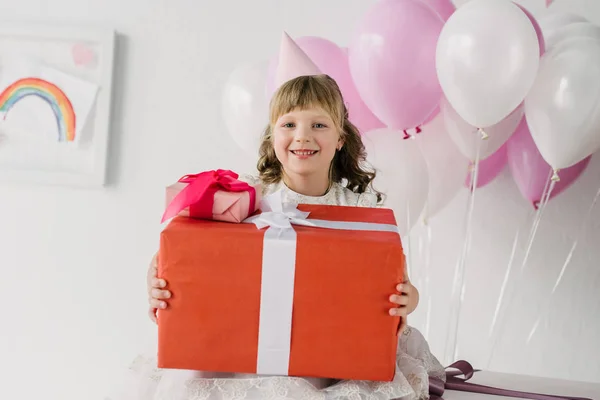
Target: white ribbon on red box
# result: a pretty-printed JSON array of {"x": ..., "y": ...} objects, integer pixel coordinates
[{"x": 278, "y": 274}]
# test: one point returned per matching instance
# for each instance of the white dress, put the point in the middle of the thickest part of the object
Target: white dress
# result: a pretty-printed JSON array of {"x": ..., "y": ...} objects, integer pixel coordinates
[{"x": 414, "y": 365}]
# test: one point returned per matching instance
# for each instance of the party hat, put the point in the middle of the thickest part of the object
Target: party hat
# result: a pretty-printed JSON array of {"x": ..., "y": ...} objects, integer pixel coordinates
[{"x": 293, "y": 62}]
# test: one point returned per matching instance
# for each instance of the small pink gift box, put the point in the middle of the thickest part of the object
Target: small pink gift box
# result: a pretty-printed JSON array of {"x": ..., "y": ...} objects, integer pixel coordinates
[{"x": 214, "y": 195}]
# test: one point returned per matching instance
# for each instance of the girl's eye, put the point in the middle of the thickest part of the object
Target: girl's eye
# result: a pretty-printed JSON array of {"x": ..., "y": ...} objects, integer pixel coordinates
[
  {"x": 288, "y": 125},
  {"x": 319, "y": 126}
]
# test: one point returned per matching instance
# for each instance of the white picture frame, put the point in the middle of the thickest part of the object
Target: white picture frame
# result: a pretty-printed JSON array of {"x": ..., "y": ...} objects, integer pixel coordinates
[{"x": 81, "y": 52}]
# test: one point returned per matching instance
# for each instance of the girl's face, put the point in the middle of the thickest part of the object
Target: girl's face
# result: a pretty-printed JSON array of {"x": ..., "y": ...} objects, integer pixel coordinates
[{"x": 305, "y": 142}]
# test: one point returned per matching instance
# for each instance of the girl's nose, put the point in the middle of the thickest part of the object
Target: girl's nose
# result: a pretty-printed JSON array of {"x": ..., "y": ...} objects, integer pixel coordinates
[{"x": 303, "y": 134}]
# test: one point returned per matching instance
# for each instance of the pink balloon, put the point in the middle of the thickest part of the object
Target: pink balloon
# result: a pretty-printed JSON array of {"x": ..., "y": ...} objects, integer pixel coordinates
[
  {"x": 536, "y": 26},
  {"x": 531, "y": 172},
  {"x": 432, "y": 116},
  {"x": 490, "y": 168},
  {"x": 392, "y": 61},
  {"x": 444, "y": 8},
  {"x": 333, "y": 61}
]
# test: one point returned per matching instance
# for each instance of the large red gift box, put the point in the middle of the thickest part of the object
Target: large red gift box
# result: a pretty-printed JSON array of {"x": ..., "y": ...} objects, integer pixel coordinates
[{"x": 310, "y": 298}]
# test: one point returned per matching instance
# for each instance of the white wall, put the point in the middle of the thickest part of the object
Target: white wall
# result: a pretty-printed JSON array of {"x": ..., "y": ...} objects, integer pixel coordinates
[{"x": 73, "y": 262}]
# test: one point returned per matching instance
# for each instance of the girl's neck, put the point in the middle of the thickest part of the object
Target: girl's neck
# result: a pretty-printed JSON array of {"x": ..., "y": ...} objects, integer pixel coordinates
[{"x": 307, "y": 185}]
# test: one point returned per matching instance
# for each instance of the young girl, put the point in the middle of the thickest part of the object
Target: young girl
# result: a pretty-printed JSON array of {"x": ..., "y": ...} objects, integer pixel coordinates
[{"x": 313, "y": 153}]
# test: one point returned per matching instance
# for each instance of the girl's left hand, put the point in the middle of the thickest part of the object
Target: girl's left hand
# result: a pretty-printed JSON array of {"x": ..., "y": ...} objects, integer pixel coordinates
[{"x": 403, "y": 300}]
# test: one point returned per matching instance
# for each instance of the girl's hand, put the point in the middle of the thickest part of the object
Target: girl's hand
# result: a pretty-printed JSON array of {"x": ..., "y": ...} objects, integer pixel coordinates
[
  {"x": 156, "y": 292},
  {"x": 406, "y": 299}
]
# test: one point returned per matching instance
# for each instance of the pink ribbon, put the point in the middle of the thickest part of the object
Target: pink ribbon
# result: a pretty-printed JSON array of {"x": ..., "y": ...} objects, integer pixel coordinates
[
  {"x": 453, "y": 382},
  {"x": 200, "y": 192}
]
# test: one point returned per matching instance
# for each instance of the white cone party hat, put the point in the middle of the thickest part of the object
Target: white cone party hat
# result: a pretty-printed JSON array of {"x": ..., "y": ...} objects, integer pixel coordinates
[{"x": 293, "y": 62}]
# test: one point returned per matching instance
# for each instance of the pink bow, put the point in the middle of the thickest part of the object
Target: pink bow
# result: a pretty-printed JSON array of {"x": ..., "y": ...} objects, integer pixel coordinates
[{"x": 200, "y": 192}]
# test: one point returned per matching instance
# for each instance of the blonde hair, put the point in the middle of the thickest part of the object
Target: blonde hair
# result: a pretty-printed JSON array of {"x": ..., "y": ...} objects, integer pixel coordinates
[{"x": 323, "y": 92}]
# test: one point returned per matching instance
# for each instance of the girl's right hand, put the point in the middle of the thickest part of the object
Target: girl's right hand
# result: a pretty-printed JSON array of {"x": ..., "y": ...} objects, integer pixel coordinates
[{"x": 156, "y": 289}]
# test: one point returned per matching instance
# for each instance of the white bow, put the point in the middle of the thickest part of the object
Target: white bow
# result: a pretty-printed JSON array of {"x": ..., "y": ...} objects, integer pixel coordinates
[{"x": 278, "y": 214}]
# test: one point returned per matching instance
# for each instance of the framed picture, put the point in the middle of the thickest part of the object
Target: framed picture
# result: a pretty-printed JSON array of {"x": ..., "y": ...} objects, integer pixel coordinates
[{"x": 55, "y": 103}]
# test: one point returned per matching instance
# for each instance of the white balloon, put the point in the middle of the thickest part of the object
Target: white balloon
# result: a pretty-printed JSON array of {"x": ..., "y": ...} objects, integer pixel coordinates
[
  {"x": 245, "y": 107},
  {"x": 552, "y": 21},
  {"x": 447, "y": 167},
  {"x": 563, "y": 107},
  {"x": 487, "y": 59},
  {"x": 402, "y": 174},
  {"x": 572, "y": 31},
  {"x": 467, "y": 138}
]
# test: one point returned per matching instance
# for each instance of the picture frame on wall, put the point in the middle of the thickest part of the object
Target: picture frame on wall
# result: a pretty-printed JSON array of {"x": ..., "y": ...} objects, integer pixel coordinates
[{"x": 55, "y": 103}]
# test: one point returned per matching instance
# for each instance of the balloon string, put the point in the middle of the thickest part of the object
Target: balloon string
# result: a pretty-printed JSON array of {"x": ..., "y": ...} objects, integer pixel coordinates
[
  {"x": 513, "y": 285},
  {"x": 409, "y": 260},
  {"x": 493, "y": 333},
  {"x": 538, "y": 203},
  {"x": 564, "y": 267},
  {"x": 423, "y": 273},
  {"x": 408, "y": 254},
  {"x": 536, "y": 224},
  {"x": 555, "y": 177},
  {"x": 458, "y": 285},
  {"x": 427, "y": 274}
]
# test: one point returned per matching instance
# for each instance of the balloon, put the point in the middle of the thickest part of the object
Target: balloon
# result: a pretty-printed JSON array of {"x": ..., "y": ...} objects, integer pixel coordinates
[
  {"x": 392, "y": 61},
  {"x": 536, "y": 26},
  {"x": 550, "y": 22},
  {"x": 433, "y": 114},
  {"x": 489, "y": 168},
  {"x": 333, "y": 61},
  {"x": 573, "y": 31},
  {"x": 467, "y": 138},
  {"x": 563, "y": 108},
  {"x": 401, "y": 174},
  {"x": 529, "y": 170},
  {"x": 444, "y": 8},
  {"x": 487, "y": 59},
  {"x": 446, "y": 166},
  {"x": 244, "y": 105}
]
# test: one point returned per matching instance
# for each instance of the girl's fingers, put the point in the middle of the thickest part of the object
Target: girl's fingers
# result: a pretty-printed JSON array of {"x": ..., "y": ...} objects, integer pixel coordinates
[
  {"x": 155, "y": 303},
  {"x": 158, "y": 283},
  {"x": 401, "y": 300},
  {"x": 160, "y": 294},
  {"x": 403, "y": 288},
  {"x": 398, "y": 312}
]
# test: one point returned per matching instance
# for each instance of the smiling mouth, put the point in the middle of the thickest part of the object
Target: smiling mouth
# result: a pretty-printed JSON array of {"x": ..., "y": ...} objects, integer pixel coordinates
[{"x": 304, "y": 152}]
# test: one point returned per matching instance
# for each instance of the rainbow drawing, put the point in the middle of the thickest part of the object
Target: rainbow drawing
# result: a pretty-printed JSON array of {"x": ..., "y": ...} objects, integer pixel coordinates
[{"x": 52, "y": 94}]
